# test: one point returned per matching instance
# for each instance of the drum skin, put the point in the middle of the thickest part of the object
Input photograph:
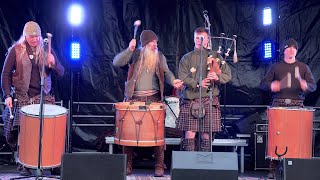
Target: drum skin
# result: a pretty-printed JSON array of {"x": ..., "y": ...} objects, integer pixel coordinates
[
  {"x": 139, "y": 124},
  {"x": 291, "y": 128},
  {"x": 53, "y": 138}
]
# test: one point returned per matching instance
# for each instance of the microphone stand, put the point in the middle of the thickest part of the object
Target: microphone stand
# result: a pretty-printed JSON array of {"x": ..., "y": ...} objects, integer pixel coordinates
[
  {"x": 200, "y": 115},
  {"x": 211, "y": 114}
]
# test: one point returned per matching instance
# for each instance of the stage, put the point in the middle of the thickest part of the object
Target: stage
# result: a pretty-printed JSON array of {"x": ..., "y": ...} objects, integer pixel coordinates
[{"x": 10, "y": 171}]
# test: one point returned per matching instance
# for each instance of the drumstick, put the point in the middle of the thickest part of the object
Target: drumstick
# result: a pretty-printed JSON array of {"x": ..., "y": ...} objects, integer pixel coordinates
[
  {"x": 286, "y": 81},
  {"x": 192, "y": 70},
  {"x": 297, "y": 73},
  {"x": 10, "y": 112},
  {"x": 49, "y": 45},
  {"x": 136, "y": 24}
]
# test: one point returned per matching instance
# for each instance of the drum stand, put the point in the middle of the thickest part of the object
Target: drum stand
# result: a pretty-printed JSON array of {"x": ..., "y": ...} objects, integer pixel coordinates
[
  {"x": 39, "y": 171},
  {"x": 279, "y": 168}
]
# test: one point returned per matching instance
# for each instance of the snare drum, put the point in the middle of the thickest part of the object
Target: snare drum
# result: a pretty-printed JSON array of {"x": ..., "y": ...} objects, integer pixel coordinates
[
  {"x": 139, "y": 124},
  {"x": 172, "y": 111},
  {"x": 291, "y": 129},
  {"x": 53, "y": 137}
]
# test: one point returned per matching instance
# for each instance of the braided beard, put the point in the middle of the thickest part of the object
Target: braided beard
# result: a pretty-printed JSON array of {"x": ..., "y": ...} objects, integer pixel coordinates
[{"x": 150, "y": 59}]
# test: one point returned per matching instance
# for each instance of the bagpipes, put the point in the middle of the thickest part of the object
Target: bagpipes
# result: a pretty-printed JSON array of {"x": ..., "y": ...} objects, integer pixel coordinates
[{"x": 225, "y": 44}]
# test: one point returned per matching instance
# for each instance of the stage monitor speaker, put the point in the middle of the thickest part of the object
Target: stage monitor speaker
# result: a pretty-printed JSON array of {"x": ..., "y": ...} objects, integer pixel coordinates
[
  {"x": 298, "y": 169},
  {"x": 260, "y": 145},
  {"x": 93, "y": 166},
  {"x": 247, "y": 124},
  {"x": 187, "y": 165}
]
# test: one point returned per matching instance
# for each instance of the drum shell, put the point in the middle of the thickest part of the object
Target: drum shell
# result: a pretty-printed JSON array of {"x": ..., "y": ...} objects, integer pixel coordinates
[
  {"x": 138, "y": 124},
  {"x": 53, "y": 139},
  {"x": 291, "y": 128}
]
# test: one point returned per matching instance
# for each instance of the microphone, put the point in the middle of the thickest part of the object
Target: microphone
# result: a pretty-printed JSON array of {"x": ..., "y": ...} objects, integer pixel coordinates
[
  {"x": 201, "y": 38},
  {"x": 136, "y": 24},
  {"x": 45, "y": 41}
]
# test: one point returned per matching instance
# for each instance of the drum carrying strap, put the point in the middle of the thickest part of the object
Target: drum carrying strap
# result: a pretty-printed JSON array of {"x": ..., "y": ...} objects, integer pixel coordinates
[
  {"x": 167, "y": 103},
  {"x": 139, "y": 122}
]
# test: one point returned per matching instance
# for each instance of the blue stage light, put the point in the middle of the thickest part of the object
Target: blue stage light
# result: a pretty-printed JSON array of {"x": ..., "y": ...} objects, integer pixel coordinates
[
  {"x": 268, "y": 50},
  {"x": 75, "y": 51},
  {"x": 267, "y": 16}
]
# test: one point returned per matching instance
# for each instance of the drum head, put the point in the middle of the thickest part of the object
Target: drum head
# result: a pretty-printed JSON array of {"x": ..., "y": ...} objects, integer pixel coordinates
[{"x": 48, "y": 110}]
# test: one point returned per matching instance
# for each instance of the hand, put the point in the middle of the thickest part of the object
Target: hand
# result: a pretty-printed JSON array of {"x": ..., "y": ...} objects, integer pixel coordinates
[
  {"x": 205, "y": 83},
  {"x": 303, "y": 85},
  {"x": 275, "y": 86},
  {"x": 50, "y": 60},
  {"x": 8, "y": 102},
  {"x": 132, "y": 44},
  {"x": 213, "y": 76},
  {"x": 210, "y": 60},
  {"x": 177, "y": 83}
]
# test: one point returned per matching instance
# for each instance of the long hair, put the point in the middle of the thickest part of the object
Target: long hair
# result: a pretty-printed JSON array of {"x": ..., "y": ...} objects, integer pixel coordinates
[{"x": 39, "y": 51}]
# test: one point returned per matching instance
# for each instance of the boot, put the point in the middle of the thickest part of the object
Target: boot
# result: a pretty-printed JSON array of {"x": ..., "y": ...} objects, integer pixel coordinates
[
  {"x": 204, "y": 145},
  {"x": 159, "y": 158},
  {"x": 128, "y": 150},
  {"x": 188, "y": 144}
]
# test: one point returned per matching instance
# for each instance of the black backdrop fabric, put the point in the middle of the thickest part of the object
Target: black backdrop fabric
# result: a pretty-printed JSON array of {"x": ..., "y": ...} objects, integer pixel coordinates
[{"x": 108, "y": 29}]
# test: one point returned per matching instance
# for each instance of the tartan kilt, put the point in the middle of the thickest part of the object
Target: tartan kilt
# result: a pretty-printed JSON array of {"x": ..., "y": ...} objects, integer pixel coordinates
[
  {"x": 186, "y": 122},
  {"x": 11, "y": 126}
]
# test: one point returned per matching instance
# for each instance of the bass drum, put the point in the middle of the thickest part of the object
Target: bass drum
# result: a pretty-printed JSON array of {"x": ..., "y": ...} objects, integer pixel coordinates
[
  {"x": 53, "y": 135},
  {"x": 139, "y": 124},
  {"x": 290, "y": 129}
]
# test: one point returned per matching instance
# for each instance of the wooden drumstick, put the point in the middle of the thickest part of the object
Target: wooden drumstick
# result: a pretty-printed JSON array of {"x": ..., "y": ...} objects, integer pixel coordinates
[
  {"x": 136, "y": 24},
  {"x": 49, "y": 45},
  {"x": 286, "y": 81},
  {"x": 10, "y": 111},
  {"x": 192, "y": 70},
  {"x": 297, "y": 73}
]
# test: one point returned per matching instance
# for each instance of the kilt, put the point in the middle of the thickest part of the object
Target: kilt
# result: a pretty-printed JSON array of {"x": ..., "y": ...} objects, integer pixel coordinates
[
  {"x": 186, "y": 122},
  {"x": 11, "y": 126}
]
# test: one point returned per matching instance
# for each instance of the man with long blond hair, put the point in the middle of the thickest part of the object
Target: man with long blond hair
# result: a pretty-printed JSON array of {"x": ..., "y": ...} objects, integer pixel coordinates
[
  {"x": 147, "y": 71},
  {"x": 20, "y": 78}
]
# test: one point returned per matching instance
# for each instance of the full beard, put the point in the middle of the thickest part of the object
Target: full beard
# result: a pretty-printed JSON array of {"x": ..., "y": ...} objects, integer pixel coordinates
[{"x": 151, "y": 58}]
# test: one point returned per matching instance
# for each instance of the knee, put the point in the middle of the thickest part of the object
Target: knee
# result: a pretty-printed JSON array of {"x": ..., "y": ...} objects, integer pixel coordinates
[{"x": 190, "y": 134}]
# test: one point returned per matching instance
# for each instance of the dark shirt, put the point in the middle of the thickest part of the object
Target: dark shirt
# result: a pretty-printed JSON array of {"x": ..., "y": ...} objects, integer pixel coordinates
[{"x": 279, "y": 71}]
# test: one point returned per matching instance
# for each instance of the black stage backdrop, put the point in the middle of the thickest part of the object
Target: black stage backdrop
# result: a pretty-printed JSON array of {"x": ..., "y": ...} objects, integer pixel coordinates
[{"x": 108, "y": 29}]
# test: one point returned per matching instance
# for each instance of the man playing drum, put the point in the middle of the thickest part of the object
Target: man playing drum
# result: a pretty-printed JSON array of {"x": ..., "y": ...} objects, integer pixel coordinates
[
  {"x": 187, "y": 121},
  {"x": 21, "y": 74},
  {"x": 288, "y": 80},
  {"x": 147, "y": 71}
]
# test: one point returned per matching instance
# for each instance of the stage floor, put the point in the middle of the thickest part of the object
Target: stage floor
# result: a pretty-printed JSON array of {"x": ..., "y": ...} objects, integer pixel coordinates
[{"x": 10, "y": 171}]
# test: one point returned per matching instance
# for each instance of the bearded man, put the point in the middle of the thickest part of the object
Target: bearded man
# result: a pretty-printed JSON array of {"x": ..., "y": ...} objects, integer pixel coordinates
[{"x": 147, "y": 70}]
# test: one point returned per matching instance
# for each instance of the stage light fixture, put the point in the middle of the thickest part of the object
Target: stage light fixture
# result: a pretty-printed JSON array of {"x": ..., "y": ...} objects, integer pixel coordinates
[
  {"x": 75, "y": 14},
  {"x": 267, "y": 16},
  {"x": 75, "y": 51},
  {"x": 268, "y": 50}
]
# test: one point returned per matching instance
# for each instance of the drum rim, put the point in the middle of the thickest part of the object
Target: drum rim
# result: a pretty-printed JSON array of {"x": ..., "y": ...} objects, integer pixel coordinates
[
  {"x": 292, "y": 108},
  {"x": 47, "y": 116},
  {"x": 37, "y": 115}
]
